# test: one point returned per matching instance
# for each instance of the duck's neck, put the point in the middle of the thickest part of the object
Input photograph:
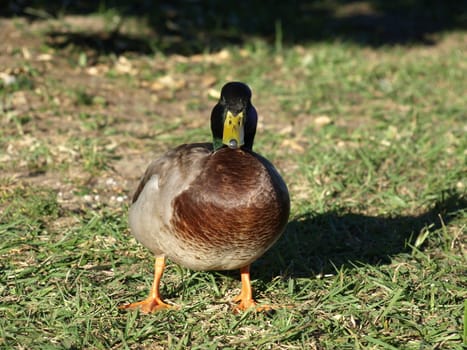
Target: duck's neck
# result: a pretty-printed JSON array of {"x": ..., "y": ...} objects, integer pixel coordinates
[{"x": 217, "y": 143}]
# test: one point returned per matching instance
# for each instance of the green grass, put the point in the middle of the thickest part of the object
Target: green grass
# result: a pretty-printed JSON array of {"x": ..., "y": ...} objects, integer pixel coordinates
[{"x": 373, "y": 256}]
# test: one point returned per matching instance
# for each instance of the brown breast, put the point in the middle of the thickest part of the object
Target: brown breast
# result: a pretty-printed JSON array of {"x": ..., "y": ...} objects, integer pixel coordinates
[{"x": 239, "y": 202}]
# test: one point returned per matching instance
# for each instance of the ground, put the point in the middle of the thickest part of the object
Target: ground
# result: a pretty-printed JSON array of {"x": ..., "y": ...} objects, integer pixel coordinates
[{"x": 370, "y": 140}]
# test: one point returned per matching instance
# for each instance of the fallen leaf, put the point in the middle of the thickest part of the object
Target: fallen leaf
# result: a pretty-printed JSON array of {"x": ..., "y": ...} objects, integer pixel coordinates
[
  {"x": 286, "y": 130},
  {"x": 44, "y": 57},
  {"x": 293, "y": 145},
  {"x": 218, "y": 57},
  {"x": 7, "y": 79},
  {"x": 18, "y": 98},
  {"x": 97, "y": 70},
  {"x": 26, "y": 53},
  {"x": 214, "y": 93},
  {"x": 124, "y": 66},
  {"x": 322, "y": 120},
  {"x": 208, "y": 81}
]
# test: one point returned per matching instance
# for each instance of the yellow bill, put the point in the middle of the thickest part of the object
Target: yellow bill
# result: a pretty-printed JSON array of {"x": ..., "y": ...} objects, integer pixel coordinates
[{"x": 233, "y": 135}]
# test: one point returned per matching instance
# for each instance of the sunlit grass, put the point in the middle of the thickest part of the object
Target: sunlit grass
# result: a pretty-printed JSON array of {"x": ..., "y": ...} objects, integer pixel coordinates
[{"x": 370, "y": 141}]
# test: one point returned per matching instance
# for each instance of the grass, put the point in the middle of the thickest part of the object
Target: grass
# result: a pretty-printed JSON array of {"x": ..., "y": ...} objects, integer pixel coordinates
[{"x": 370, "y": 141}]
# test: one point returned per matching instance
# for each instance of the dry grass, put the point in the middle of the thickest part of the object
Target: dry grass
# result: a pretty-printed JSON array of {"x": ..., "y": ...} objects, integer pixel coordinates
[{"x": 370, "y": 141}]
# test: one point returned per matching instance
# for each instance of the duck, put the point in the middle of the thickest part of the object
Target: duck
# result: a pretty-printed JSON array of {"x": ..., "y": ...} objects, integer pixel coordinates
[{"x": 211, "y": 206}]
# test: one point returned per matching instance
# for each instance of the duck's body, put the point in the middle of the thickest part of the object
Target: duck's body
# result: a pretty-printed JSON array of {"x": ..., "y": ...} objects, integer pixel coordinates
[
  {"x": 209, "y": 210},
  {"x": 208, "y": 206}
]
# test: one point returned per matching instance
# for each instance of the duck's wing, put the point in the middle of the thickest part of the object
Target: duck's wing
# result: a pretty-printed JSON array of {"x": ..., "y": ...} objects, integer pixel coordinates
[{"x": 179, "y": 162}]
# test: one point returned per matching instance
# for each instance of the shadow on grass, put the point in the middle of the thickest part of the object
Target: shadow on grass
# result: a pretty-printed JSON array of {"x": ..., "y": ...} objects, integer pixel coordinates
[
  {"x": 188, "y": 27},
  {"x": 321, "y": 243},
  {"x": 100, "y": 43}
]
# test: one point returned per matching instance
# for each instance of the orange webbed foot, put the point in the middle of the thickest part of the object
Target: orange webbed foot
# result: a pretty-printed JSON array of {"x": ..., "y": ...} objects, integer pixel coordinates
[
  {"x": 246, "y": 304},
  {"x": 154, "y": 301},
  {"x": 148, "y": 305},
  {"x": 246, "y": 295}
]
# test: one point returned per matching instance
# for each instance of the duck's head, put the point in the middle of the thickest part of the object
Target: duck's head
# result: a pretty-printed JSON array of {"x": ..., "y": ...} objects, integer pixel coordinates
[{"x": 233, "y": 118}]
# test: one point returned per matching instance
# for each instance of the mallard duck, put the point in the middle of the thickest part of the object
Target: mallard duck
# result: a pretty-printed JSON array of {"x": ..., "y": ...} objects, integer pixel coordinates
[{"x": 211, "y": 206}]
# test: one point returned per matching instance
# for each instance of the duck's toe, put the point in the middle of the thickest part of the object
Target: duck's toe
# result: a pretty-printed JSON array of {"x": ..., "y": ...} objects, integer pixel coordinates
[{"x": 148, "y": 305}]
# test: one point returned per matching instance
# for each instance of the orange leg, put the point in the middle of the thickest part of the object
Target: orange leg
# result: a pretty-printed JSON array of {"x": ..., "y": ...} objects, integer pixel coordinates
[
  {"x": 246, "y": 295},
  {"x": 153, "y": 302}
]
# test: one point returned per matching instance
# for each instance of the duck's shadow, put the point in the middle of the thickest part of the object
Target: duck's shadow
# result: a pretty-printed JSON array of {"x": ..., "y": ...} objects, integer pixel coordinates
[{"x": 316, "y": 244}]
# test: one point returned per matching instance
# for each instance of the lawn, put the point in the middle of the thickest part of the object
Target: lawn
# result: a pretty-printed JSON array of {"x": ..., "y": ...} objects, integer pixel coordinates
[{"x": 371, "y": 140}]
